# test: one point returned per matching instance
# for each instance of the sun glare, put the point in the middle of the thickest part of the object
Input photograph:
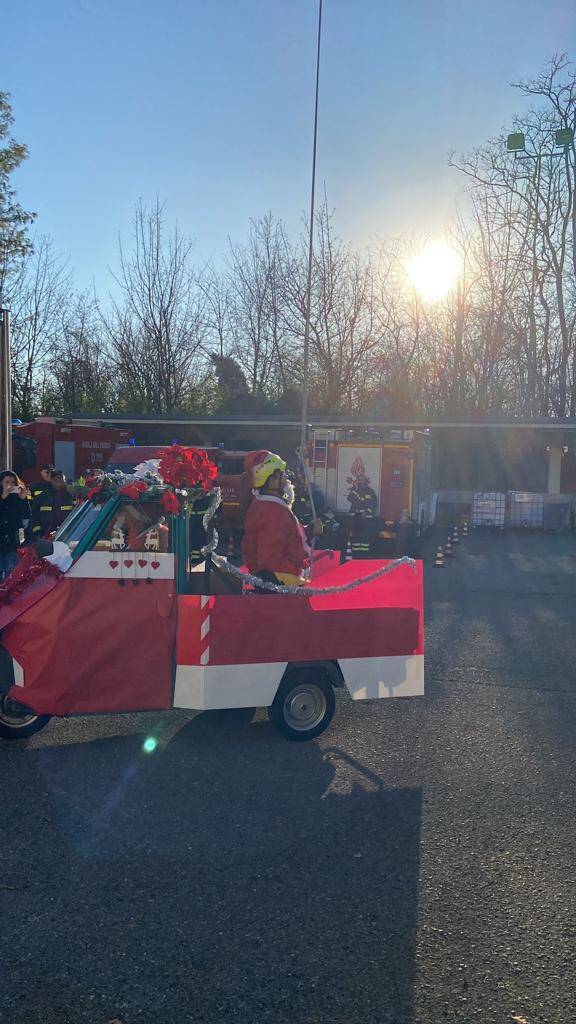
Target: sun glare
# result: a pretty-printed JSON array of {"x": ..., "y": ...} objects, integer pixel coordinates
[{"x": 435, "y": 271}]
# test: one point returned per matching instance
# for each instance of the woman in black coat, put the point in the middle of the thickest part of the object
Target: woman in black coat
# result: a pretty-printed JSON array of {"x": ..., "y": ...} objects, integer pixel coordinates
[{"x": 14, "y": 513}]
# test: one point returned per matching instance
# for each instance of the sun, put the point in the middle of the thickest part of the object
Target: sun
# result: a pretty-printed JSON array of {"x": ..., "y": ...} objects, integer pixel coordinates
[{"x": 435, "y": 271}]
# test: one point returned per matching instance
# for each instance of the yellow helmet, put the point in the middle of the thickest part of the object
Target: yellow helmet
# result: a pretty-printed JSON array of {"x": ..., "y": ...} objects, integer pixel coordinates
[{"x": 262, "y": 471}]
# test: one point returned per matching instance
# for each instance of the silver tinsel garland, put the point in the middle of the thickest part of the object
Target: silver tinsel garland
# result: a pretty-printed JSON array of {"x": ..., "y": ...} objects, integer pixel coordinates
[{"x": 278, "y": 588}]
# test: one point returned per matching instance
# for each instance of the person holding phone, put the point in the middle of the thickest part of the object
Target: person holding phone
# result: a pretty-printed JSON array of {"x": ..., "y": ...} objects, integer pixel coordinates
[{"x": 14, "y": 513}]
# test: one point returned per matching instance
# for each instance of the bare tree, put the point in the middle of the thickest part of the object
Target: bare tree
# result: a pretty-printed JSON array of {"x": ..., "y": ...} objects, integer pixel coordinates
[
  {"x": 341, "y": 319},
  {"x": 535, "y": 198},
  {"x": 216, "y": 293},
  {"x": 82, "y": 374},
  {"x": 38, "y": 296},
  {"x": 256, "y": 281},
  {"x": 155, "y": 330}
]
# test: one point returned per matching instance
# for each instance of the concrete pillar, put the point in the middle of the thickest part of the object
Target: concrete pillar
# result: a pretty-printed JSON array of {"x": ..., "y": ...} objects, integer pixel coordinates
[{"x": 554, "y": 469}]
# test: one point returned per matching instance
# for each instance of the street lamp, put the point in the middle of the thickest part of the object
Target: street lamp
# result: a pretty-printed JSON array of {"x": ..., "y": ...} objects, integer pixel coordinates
[
  {"x": 564, "y": 136},
  {"x": 516, "y": 143}
]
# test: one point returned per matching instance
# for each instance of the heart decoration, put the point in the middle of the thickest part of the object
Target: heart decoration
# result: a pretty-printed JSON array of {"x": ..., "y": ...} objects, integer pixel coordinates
[
  {"x": 128, "y": 562},
  {"x": 142, "y": 563},
  {"x": 155, "y": 565},
  {"x": 113, "y": 564}
]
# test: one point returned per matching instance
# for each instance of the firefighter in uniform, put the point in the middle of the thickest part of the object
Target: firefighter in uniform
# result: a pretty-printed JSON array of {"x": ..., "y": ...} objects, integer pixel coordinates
[
  {"x": 363, "y": 505},
  {"x": 40, "y": 485},
  {"x": 51, "y": 507}
]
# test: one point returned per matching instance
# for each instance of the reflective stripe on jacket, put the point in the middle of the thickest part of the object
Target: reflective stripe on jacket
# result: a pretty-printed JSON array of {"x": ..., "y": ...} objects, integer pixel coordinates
[{"x": 50, "y": 509}]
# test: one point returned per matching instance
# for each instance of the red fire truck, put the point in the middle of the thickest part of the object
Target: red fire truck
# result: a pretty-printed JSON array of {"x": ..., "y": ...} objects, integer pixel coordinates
[
  {"x": 399, "y": 469},
  {"x": 70, "y": 447}
]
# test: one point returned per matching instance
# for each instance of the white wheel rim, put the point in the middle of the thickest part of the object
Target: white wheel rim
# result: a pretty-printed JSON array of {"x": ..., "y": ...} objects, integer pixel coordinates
[
  {"x": 304, "y": 707},
  {"x": 14, "y": 720}
]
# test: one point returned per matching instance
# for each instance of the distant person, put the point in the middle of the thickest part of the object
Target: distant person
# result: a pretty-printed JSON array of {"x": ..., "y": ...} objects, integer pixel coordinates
[
  {"x": 14, "y": 513},
  {"x": 52, "y": 506},
  {"x": 362, "y": 497},
  {"x": 44, "y": 481},
  {"x": 406, "y": 533},
  {"x": 363, "y": 506}
]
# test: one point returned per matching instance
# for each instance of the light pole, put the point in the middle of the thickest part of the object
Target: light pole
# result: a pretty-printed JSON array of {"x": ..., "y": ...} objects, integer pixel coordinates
[
  {"x": 306, "y": 353},
  {"x": 516, "y": 144},
  {"x": 5, "y": 392}
]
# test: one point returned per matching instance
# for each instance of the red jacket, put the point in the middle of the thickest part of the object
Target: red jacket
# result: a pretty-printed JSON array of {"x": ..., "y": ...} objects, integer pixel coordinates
[{"x": 273, "y": 538}]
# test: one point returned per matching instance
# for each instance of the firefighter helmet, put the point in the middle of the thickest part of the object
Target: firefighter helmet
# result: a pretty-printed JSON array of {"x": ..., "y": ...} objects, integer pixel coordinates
[{"x": 262, "y": 471}]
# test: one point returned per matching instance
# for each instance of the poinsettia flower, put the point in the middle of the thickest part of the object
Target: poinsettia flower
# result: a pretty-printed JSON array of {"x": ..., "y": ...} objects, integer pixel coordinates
[
  {"x": 186, "y": 467},
  {"x": 94, "y": 492},
  {"x": 170, "y": 503},
  {"x": 133, "y": 490}
]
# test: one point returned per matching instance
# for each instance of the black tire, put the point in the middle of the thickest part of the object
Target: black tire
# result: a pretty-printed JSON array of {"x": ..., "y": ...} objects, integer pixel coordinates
[
  {"x": 17, "y": 722},
  {"x": 304, "y": 704}
]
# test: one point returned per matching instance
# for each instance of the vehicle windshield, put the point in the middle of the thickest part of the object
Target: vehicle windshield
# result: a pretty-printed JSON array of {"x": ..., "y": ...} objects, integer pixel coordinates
[{"x": 75, "y": 527}]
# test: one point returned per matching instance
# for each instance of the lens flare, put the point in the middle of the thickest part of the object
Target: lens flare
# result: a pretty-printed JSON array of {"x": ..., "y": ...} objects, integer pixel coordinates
[
  {"x": 149, "y": 745},
  {"x": 435, "y": 271}
]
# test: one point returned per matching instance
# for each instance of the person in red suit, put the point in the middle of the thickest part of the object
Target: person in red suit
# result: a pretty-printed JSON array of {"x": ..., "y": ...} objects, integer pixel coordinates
[{"x": 274, "y": 546}]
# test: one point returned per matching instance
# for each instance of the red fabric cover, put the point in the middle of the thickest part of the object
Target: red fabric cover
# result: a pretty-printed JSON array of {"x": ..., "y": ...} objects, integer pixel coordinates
[
  {"x": 38, "y": 590},
  {"x": 273, "y": 538},
  {"x": 92, "y": 645},
  {"x": 381, "y": 619}
]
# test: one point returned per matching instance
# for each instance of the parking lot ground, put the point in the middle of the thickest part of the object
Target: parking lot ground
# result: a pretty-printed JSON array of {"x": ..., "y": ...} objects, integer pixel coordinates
[{"x": 415, "y": 865}]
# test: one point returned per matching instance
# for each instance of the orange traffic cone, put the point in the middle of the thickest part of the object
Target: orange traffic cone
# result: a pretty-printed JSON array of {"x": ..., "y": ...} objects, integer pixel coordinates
[
  {"x": 455, "y": 537},
  {"x": 449, "y": 551},
  {"x": 465, "y": 530},
  {"x": 440, "y": 563},
  {"x": 348, "y": 556}
]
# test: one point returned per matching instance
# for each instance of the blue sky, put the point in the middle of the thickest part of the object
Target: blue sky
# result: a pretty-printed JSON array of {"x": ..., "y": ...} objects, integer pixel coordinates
[{"x": 208, "y": 103}]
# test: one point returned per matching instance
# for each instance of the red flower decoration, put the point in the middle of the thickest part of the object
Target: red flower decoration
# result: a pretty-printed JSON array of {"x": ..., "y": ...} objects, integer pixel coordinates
[
  {"x": 134, "y": 490},
  {"x": 94, "y": 492},
  {"x": 170, "y": 503},
  {"x": 187, "y": 467}
]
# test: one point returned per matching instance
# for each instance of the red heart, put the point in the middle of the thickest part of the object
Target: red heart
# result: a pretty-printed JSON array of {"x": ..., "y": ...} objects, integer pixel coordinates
[
  {"x": 113, "y": 564},
  {"x": 142, "y": 563},
  {"x": 155, "y": 565},
  {"x": 128, "y": 562}
]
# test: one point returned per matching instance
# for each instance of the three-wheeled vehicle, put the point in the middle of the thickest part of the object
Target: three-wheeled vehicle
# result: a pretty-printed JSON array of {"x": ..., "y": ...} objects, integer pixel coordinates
[{"x": 132, "y": 626}]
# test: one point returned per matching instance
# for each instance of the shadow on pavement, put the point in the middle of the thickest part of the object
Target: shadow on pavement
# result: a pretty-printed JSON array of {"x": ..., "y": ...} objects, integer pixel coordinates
[{"x": 229, "y": 876}]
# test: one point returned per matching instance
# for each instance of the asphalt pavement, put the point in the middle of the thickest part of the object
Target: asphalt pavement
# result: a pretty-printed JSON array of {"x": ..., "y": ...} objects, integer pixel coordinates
[{"x": 415, "y": 865}]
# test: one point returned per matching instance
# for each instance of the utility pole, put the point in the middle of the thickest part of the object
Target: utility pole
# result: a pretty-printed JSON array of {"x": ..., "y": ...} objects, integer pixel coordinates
[
  {"x": 306, "y": 354},
  {"x": 5, "y": 392}
]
